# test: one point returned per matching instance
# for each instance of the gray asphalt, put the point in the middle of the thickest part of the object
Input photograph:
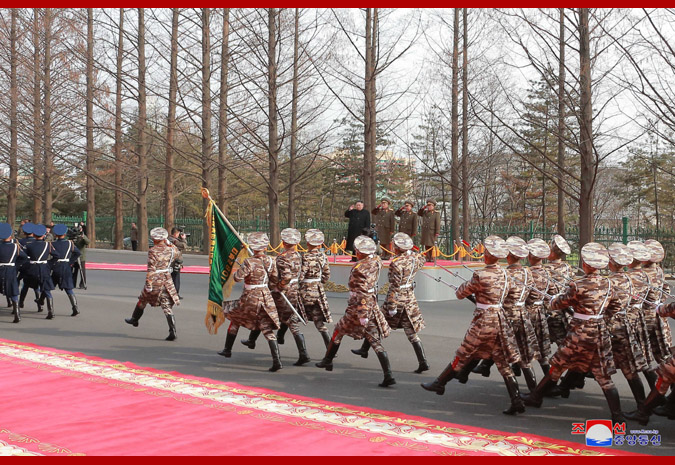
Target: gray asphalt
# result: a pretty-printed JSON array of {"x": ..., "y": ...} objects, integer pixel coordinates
[{"x": 100, "y": 331}]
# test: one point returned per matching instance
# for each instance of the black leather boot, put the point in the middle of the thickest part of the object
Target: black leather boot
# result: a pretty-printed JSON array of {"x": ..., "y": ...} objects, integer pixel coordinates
[
  {"x": 612, "y": 396},
  {"x": 516, "y": 369},
  {"x": 73, "y": 304},
  {"x": 668, "y": 409},
  {"x": 276, "y": 356},
  {"x": 9, "y": 303},
  {"x": 363, "y": 351},
  {"x": 483, "y": 368},
  {"x": 229, "y": 342},
  {"x": 638, "y": 390},
  {"x": 50, "y": 309},
  {"x": 302, "y": 350},
  {"x": 326, "y": 338},
  {"x": 651, "y": 378},
  {"x": 421, "y": 358},
  {"x": 438, "y": 385},
  {"x": 252, "y": 337},
  {"x": 327, "y": 361},
  {"x": 138, "y": 313},
  {"x": 22, "y": 296},
  {"x": 641, "y": 415},
  {"x": 530, "y": 378},
  {"x": 552, "y": 390},
  {"x": 16, "y": 311},
  {"x": 567, "y": 383},
  {"x": 517, "y": 405},
  {"x": 463, "y": 374},
  {"x": 281, "y": 333},
  {"x": 386, "y": 369},
  {"x": 171, "y": 319},
  {"x": 535, "y": 398}
]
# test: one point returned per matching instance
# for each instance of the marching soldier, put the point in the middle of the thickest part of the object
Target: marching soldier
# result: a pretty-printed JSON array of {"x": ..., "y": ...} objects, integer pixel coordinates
[
  {"x": 362, "y": 317},
  {"x": 62, "y": 268},
  {"x": 285, "y": 280},
  {"x": 587, "y": 346},
  {"x": 626, "y": 349},
  {"x": 10, "y": 253},
  {"x": 659, "y": 331},
  {"x": 666, "y": 372},
  {"x": 38, "y": 275},
  {"x": 490, "y": 334},
  {"x": 314, "y": 274},
  {"x": 385, "y": 225},
  {"x": 256, "y": 309},
  {"x": 561, "y": 272},
  {"x": 400, "y": 308},
  {"x": 431, "y": 227},
  {"x": 159, "y": 290},
  {"x": 408, "y": 220},
  {"x": 534, "y": 303},
  {"x": 24, "y": 264}
]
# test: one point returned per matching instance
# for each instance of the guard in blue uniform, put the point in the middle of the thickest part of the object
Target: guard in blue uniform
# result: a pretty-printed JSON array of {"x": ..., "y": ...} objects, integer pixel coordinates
[
  {"x": 62, "y": 272},
  {"x": 23, "y": 264},
  {"x": 39, "y": 274},
  {"x": 10, "y": 253}
]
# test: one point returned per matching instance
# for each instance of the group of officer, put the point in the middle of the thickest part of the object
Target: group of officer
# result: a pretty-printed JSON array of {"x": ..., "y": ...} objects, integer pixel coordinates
[{"x": 39, "y": 264}]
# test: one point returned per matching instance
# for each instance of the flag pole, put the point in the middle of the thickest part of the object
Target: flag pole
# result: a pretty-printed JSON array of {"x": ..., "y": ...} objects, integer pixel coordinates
[{"x": 207, "y": 195}]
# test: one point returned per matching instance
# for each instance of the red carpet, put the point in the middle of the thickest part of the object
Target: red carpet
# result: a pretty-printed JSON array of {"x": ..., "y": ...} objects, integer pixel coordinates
[{"x": 58, "y": 403}]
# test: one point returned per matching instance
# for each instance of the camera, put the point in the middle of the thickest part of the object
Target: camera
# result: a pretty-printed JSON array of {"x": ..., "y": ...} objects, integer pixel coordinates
[
  {"x": 370, "y": 232},
  {"x": 181, "y": 229},
  {"x": 74, "y": 232}
]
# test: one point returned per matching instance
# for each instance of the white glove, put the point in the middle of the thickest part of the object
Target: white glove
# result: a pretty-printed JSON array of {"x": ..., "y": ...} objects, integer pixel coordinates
[
  {"x": 364, "y": 321},
  {"x": 393, "y": 312},
  {"x": 659, "y": 307},
  {"x": 148, "y": 289}
]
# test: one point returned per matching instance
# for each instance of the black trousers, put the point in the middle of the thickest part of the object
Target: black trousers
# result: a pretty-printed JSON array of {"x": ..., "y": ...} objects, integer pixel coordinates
[
  {"x": 175, "y": 276},
  {"x": 134, "y": 245}
]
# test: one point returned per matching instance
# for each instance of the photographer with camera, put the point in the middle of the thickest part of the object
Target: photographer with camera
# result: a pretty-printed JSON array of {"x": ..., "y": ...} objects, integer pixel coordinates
[
  {"x": 179, "y": 239},
  {"x": 81, "y": 241}
]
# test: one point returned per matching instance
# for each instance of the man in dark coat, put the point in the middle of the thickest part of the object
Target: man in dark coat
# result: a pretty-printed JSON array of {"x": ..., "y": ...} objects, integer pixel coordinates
[{"x": 359, "y": 218}]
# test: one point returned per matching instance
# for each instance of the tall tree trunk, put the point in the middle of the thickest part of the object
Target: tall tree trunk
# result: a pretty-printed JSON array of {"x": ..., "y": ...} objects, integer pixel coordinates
[
  {"x": 37, "y": 121},
  {"x": 142, "y": 145},
  {"x": 169, "y": 218},
  {"x": 207, "y": 143},
  {"x": 13, "y": 124},
  {"x": 561, "y": 126},
  {"x": 369, "y": 186},
  {"x": 222, "y": 111},
  {"x": 273, "y": 143},
  {"x": 294, "y": 126},
  {"x": 454, "y": 176},
  {"x": 91, "y": 155},
  {"x": 373, "y": 108},
  {"x": 465, "y": 130},
  {"x": 47, "y": 119},
  {"x": 588, "y": 165},
  {"x": 119, "y": 212}
]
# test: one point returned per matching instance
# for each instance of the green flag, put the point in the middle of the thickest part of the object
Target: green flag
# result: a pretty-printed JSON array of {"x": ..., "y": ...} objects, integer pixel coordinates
[{"x": 225, "y": 249}]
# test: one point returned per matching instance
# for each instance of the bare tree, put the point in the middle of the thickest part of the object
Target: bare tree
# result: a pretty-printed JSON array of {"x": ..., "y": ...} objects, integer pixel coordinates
[
  {"x": 169, "y": 209},
  {"x": 118, "y": 163},
  {"x": 222, "y": 110},
  {"x": 294, "y": 124},
  {"x": 14, "y": 123},
  {"x": 588, "y": 165},
  {"x": 207, "y": 143},
  {"x": 454, "y": 175},
  {"x": 142, "y": 143},
  {"x": 37, "y": 120},
  {"x": 465, "y": 128},
  {"x": 561, "y": 127},
  {"x": 273, "y": 143},
  {"x": 91, "y": 154}
]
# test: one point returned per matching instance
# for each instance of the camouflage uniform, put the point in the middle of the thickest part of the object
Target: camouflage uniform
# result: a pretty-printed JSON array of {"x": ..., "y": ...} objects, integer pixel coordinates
[
  {"x": 626, "y": 348},
  {"x": 363, "y": 304},
  {"x": 557, "y": 320},
  {"x": 490, "y": 334},
  {"x": 535, "y": 309},
  {"x": 659, "y": 332},
  {"x": 159, "y": 290},
  {"x": 517, "y": 314},
  {"x": 636, "y": 314},
  {"x": 587, "y": 346},
  {"x": 314, "y": 274},
  {"x": 666, "y": 370},
  {"x": 256, "y": 309},
  {"x": 288, "y": 264},
  {"x": 400, "y": 299}
]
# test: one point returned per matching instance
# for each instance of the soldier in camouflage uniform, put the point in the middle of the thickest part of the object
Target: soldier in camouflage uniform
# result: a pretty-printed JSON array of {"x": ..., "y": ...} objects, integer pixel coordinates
[
  {"x": 534, "y": 302},
  {"x": 560, "y": 271},
  {"x": 315, "y": 272},
  {"x": 659, "y": 331},
  {"x": 408, "y": 219},
  {"x": 587, "y": 346},
  {"x": 490, "y": 334},
  {"x": 666, "y": 379},
  {"x": 363, "y": 317},
  {"x": 385, "y": 225},
  {"x": 400, "y": 307},
  {"x": 256, "y": 309},
  {"x": 159, "y": 290},
  {"x": 626, "y": 349}
]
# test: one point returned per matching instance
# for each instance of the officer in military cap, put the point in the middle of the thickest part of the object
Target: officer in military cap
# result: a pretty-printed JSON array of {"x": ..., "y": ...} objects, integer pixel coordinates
[
  {"x": 39, "y": 276},
  {"x": 587, "y": 346},
  {"x": 159, "y": 290},
  {"x": 561, "y": 272},
  {"x": 10, "y": 253},
  {"x": 659, "y": 332},
  {"x": 385, "y": 224},
  {"x": 362, "y": 317},
  {"x": 62, "y": 268},
  {"x": 256, "y": 309},
  {"x": 408, "y": 219},
  {"x": 400, "y": 307},
  {"x": 314, "y": 274},
  {"x": 490, "y": 335},
  {"x": 431, "y": 226}
]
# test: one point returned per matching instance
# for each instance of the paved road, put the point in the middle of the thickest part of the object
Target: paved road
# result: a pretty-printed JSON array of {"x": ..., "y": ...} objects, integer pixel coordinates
[{"x": 100, "y": 331}]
